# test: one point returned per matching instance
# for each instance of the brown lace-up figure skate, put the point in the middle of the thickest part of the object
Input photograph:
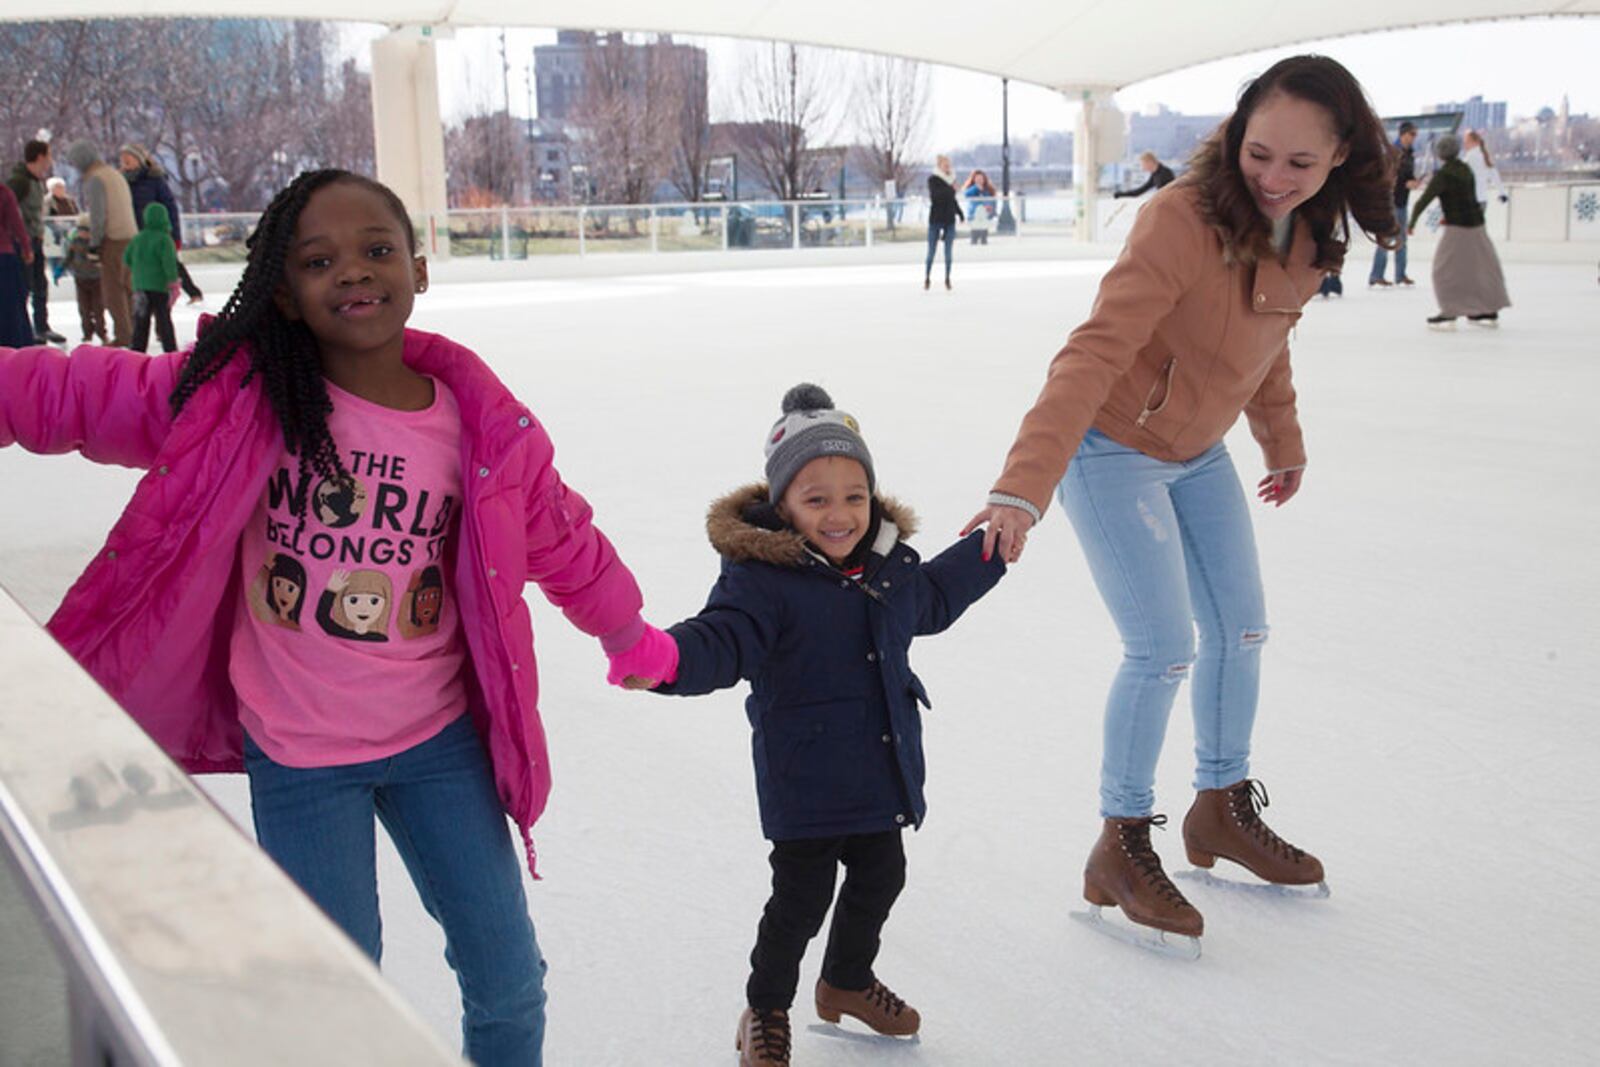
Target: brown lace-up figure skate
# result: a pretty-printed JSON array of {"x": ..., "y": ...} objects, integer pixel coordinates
[
  {"x": 763, "y": 1038},
  {"x": 876, "y": 1005},
  {"x": 1124, "y": 871},
  {"x": 1227, "y": 823}
]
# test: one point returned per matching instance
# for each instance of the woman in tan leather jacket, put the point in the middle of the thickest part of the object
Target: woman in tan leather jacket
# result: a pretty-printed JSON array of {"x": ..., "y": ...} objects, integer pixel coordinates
[{"x": 1190, "y": 329}]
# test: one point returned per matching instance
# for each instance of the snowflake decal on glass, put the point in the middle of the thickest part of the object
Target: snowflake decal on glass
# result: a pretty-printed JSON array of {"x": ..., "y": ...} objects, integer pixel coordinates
[{"x": 1587, "y": 206}]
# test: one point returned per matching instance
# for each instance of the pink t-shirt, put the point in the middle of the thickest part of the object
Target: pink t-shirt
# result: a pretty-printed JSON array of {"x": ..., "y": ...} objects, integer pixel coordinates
[{"x": 346, "y": 646}]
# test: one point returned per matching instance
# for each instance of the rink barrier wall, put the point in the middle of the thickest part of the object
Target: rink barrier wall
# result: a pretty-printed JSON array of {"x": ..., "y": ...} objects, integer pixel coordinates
[
  {"x": 1534, "y": 213},
  {"x": 138, "y": 924}
]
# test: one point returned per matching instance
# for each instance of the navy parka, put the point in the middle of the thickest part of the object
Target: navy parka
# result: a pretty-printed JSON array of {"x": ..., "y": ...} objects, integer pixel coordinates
[{"x": 833, "y": 705}]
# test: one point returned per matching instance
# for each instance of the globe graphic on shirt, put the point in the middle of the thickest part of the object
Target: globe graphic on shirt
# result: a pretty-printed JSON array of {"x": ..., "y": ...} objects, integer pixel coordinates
[{"x": 339, "y": 502}]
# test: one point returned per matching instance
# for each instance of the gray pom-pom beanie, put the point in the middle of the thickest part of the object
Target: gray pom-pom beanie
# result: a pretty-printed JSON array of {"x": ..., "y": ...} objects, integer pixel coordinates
[{"x": 811, "y": 427}]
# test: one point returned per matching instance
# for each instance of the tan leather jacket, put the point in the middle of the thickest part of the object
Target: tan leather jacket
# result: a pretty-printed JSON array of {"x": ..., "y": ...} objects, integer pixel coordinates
[{"x": 1179, "y": 342}]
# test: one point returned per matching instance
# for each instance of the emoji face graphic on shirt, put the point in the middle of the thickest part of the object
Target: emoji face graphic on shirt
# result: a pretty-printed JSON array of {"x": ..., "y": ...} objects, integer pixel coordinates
[
  {"x": 279, "y": 591},
  {"x": 339, "y": 502},
  {"x": 422, "y": 603},
  {"x": 356, "y": 605}
]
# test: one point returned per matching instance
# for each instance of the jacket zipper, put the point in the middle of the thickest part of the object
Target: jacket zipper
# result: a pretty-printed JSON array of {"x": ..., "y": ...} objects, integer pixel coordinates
[{"x": 1164, "y": 380}]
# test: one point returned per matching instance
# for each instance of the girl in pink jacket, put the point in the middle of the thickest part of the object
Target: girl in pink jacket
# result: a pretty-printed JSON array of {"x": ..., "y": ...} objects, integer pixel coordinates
[{"x": 319, "y": 579}]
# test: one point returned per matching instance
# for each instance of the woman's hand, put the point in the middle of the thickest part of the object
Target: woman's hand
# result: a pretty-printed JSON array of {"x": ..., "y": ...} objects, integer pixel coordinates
[
  {"x": 1277, "y": 489},
  {"x": 1008, "y": 528}
]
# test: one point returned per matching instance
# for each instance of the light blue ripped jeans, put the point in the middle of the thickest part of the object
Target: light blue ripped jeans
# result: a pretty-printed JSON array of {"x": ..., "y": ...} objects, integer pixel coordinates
[{"x": 1171, "y": 550}]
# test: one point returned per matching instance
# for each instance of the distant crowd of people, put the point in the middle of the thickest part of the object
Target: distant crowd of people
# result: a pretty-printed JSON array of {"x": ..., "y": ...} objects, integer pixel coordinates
[{"x": 119, "y": 241}]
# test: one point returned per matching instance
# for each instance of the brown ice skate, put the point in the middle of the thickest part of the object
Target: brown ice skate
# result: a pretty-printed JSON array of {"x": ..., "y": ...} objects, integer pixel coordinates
[
  {"x": 875, "y": 1005},
  {"x": 1227, "y": 823},
  {"x": 1124, "y": 871},
  {"x": 763, "y": 1038}
]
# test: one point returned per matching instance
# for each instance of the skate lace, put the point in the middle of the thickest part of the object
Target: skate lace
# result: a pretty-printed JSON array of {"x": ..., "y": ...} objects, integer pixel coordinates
[
  {"x": 1136, "y": 843},
  {"x": 884, "y": 997},
  {"x": 1247, "y": 799},
  {"x": 770, "y": 1035}
]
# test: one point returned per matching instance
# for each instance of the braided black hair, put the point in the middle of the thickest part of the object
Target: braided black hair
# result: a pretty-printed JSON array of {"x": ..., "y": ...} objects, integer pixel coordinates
[{"x": 284, "y": 352}]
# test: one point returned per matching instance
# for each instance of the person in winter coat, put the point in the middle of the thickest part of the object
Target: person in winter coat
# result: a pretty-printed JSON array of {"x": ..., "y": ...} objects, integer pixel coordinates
[
  {"x": 61, "y": 214},
  {"x": 944, "y": 208},
  {"x": 1405, "y": 180},
  {"x": 310, "y": 382},
  {"x": 1485, "y": 175},
  {"x": 85, "y": 270},
  {"x": 152, "y": 261},
  {"x": 27, "y": 182},
  {"x": 1160, "y": 176},
  {"x": 979, "y": 194},
  {"x": 16, "y": 257},
  {"x": 112, "y": 224},
  {"x": 1190, "y": 329},
  {"x": 816, "y": 606},
  {"x": 1467, "y": 279},
  {"x": 147, "y": 181}
]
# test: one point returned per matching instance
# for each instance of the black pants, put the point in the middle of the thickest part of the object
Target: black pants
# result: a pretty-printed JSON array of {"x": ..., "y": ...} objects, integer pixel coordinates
[
  {"x": 40, "y": 289},
  {"x": 145, "y": 305},
  {"x": 803, "y": 875},
  {"x": 190, "y": 289}
]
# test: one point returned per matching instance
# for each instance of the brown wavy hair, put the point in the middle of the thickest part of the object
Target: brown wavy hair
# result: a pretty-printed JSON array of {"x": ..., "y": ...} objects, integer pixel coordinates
[{"x": 1361, "y": 187}]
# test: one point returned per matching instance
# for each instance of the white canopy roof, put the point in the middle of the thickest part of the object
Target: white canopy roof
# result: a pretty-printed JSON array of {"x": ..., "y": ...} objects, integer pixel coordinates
[{"x": 1062, "y": 44}]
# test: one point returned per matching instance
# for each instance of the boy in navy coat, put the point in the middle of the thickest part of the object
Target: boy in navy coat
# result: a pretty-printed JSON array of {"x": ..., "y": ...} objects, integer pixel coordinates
[{"x": 817, "y": 603}]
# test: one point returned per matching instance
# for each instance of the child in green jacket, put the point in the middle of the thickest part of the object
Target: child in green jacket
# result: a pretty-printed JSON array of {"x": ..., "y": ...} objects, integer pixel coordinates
[{"x": 152, "y": 259}]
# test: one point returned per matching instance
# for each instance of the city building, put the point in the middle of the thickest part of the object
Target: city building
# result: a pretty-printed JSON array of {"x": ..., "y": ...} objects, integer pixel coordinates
[{"x": 1476, "y": 112}]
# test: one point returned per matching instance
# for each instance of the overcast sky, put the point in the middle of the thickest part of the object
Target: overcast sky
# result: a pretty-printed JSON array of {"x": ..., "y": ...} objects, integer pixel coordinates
[{"x": 1528, "y": 63}]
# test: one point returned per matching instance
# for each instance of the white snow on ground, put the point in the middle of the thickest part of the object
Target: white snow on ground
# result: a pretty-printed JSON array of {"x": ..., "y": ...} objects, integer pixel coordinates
[{"x": 1429, "y": 710}]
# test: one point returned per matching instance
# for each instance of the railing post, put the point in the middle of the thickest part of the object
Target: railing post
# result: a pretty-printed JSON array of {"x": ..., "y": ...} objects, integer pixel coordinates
[
  {"x": 583, "y": 212},
  {"x": 505, "y": 232},
  {"x": 655, "y": 242},
  {"x": 869, "y": 210},
  {"x": 724, "y": 225},
  {"x": 794, "y": 210}
]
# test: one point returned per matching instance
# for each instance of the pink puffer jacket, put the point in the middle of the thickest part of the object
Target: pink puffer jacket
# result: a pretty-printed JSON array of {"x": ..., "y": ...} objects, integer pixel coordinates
[{"x": 150, "y": 618}]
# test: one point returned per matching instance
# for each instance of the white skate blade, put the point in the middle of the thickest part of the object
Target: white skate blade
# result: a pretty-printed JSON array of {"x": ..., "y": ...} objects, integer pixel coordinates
[
  {"x": 1172, "y": 946},
  {"x": 1320, "y": 891}
]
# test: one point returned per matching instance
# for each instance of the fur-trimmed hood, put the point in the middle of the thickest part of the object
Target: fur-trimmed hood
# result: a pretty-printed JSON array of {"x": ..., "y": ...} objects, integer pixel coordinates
[{"x": 740, "y": 540}]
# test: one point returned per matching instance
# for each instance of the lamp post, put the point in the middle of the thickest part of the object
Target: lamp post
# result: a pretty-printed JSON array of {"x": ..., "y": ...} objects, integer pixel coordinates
[{"x": 1006, "y": 223}]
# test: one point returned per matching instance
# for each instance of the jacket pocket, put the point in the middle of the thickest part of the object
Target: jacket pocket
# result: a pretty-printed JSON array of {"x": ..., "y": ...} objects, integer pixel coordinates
[
  {"x": 816, "y": 754},
  {"x": 919, "y": 692},
  {"x": 1160, "y": 392}
]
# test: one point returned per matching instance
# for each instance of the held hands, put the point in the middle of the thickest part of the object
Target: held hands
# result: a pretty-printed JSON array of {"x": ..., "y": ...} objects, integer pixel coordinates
[
  {"x": 1277, "y": 489},
  {"x": 1008, "y": 528},
  {"x": 647, "y": 663}
]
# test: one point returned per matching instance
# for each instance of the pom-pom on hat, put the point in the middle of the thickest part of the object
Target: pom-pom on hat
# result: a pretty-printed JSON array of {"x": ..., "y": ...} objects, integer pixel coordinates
[{"x": 811, "y": 427}]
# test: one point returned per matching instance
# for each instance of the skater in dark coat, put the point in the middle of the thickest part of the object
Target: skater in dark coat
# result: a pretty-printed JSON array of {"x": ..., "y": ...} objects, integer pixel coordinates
[
  {"x": 1467, "y": 279},
  {"x": 817, "y": 604}
]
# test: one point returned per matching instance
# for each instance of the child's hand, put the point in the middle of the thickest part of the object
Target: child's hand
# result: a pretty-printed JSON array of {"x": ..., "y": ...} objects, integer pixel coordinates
[
  {"x": 646, "y": 663},
  {"x": 338, "y": 580}
]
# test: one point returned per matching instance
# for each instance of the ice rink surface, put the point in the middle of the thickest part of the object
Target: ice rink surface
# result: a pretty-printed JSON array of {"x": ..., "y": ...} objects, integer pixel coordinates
[{"x": 1430, "y": 717}]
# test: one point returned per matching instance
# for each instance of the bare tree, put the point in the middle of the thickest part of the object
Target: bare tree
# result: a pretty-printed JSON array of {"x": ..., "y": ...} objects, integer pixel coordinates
[
  {"x": 626, "y": 114},
  {"x": 689, "y": 97},
  {"x": 482, "y": 151},
  {"x": 891, "y": 114},
  {"x": 235, "y": 107},
  {"x": 789, "y": 109}
]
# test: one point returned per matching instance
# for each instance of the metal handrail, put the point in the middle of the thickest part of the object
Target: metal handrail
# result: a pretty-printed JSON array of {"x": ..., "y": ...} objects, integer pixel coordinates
[{"x": 181, "y": 942}]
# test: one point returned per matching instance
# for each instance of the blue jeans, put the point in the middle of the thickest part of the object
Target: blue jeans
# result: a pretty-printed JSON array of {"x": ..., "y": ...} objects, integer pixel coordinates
[
  {"x": 935, "y": 230},
  {"x": 437, "y": 801},
  {"x": 1171, "y": 549},
  {"x": 1381, "y": 259}
]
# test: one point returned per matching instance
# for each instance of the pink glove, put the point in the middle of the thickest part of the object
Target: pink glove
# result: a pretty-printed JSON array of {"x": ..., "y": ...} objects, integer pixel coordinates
[{"x": 652, "y": 659}]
